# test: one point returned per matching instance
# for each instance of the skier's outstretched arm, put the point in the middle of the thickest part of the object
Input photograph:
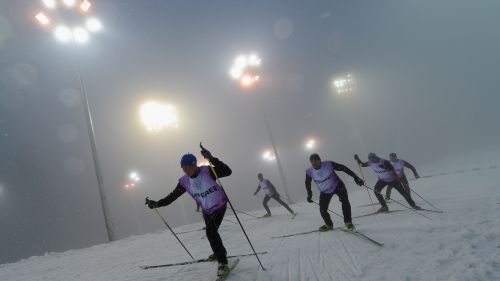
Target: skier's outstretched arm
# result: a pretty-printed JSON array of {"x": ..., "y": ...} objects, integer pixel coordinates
[
  {"x": 176, "y": 193},
  {"x": 410, "y": 166},
  {"x": 308, "y": 188},
  {"x": 257, "y": 191},
  {"x": 340, "y": 167},
  {"x": 220, "y": 168},
  {"x": 362, "y": 164}
]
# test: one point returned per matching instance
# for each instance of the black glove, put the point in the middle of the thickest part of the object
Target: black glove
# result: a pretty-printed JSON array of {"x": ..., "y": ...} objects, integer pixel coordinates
[
  {"x": 206, "y": 154},
  {"x": 359, "y": 181},
  {"x": 151, "y": 203},
  {"x": 309, "y": 199}
]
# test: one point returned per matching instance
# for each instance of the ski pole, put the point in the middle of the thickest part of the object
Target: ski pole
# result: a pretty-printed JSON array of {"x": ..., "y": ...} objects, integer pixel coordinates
[
  {"x": 394, "y": 200},
  {"x": 168, "y": 226},
  {"x": 411, "y": 189},
  {"x": 232, "y": 208},
  {"x": 246, "y": 214},
  {"x": 363, "y": 176},
  {"x": 250, "y": 215},
  {"x": 329, "y": 210}
]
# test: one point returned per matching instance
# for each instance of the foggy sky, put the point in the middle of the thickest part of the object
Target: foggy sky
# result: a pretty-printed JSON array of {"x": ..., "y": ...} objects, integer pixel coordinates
[{"x": 426, "y": 87}]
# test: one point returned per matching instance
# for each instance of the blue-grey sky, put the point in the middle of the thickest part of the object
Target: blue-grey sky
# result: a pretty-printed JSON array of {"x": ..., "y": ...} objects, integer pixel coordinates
[{"x": 426, "y": 87}]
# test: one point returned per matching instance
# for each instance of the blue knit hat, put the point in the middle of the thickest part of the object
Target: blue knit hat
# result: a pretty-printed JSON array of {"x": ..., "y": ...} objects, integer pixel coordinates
[
  {"x": 188, "y": 160},
  {"x": 373, "y": 157}
]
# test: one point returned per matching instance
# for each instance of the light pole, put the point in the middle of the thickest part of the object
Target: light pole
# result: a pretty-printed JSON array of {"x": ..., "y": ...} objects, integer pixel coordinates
[
  {"x": 79, "y": 34},
  {"x": 245, "y": 70}
]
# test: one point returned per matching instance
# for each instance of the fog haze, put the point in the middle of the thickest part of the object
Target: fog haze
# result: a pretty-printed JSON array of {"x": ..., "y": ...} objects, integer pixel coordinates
[{"x": 426, "y": 87}]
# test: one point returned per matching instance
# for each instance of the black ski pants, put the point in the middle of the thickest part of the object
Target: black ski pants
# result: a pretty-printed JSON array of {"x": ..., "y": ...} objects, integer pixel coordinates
[
  {"x": 324, "y": 201},
  {"x": 213, "y": 222},
  {"x": 396, "y": 185},
  {"x": 405, "y": 183},
  {"x": 278, "y": 199}
]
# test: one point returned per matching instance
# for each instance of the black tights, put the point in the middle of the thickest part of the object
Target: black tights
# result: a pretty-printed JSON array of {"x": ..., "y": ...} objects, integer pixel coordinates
[
  {"x": 213, "y": 222},
  {"x": 324, "y": 201},
  {"x": 396, "y": 185},
  {"x": 278, "y": 199}
]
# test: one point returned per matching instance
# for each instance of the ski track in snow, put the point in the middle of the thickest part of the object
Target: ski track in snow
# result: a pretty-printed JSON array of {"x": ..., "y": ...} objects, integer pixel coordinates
[{"x": 462, "y": 244}]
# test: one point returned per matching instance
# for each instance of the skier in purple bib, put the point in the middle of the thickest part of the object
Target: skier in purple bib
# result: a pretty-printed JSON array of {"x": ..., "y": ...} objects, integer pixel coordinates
[
  {"x": 387, "y": 176},
  {"x": 329, "y": 183},
  {"x": 200, "y": 183},
  {"x": 271, "y": 192},
  {"x": 399, "y": 166}
]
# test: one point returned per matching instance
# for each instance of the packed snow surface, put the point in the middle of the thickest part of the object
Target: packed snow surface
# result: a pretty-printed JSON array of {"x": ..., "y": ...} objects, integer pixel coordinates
[{"x": 461, "y": 244}]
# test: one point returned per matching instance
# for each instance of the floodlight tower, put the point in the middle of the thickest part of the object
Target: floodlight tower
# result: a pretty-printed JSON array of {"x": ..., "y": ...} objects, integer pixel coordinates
[
  {"x": 74, "y": 24},
  {"x": 245, "y": 70}
]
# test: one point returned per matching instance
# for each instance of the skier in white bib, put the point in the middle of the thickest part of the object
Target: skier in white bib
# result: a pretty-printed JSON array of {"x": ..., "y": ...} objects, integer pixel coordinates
[
  {"x": 329, "y": 183},
  {"x": 399, "y": 166},
  {"x": 201, "y": 183},
  {"x": 271, "y": 192},
  {"x": 386, "y": 176}
]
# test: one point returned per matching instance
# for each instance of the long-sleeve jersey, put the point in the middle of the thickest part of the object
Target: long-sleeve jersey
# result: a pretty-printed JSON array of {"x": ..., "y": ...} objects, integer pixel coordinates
[
  {"x": 406, "y": 165},
  {"x": 267, "y": 186},
  {"x": 220, "y": 168},
  {"x": 336, "y": 167},
  {"x": 386, "y": 165}
]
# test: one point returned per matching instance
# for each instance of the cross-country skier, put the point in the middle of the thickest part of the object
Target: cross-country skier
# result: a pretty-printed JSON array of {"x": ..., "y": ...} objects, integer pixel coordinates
[
  {"x": 328, "y": 182},
  {"x": 200, "y": 183},
  {"x": 271, "y": 192},
  {"x": 399, "y": 165},
  {"x": 387, "y": 176}
]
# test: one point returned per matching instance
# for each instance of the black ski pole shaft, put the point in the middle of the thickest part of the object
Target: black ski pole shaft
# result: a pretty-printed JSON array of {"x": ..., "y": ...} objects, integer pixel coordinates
[
  {"x": 171, "y": 230},
  {"x": 246, "y": 214},
  {"x": 402, "y": 204},
  {"x": 412, "y": 190},
  {"x": 363, "y": 176},
  {"x": 235, "y": 214},
  {"x": 329, "y": 210}
]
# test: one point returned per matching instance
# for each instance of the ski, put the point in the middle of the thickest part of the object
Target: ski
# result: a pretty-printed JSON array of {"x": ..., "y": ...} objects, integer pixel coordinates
[
  {"x": 189, "y": 231},
  {"x": 195, "y": 261},
  {"x": 375, "y": 204},
  {"x": 375, "y": 213},
  {"x": 264, "y": 217},
  {"x": 300, "y": 233},
  {"x": 361, "y": 235},
  {"x": 231, "y": 266},
  {"x": 434, "y": 211},
  {"x": 295, "y": 234}
]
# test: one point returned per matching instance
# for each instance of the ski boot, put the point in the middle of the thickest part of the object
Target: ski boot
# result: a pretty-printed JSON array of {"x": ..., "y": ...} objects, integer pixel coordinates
[
  {"x": 349, "y": 226},
  {"x": 266, "y": 216},
  {"x": 383, "y": 210},
  {"x": 326, "y": 228},
  {"x": 222, "y": 270},
  {"x": 416, "y": 207},
  {"x": 212, "y": 257}
]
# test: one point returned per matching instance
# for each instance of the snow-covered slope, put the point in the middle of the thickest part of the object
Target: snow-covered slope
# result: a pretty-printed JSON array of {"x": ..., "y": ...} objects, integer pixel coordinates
[{"x": 461, "y": 244}]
